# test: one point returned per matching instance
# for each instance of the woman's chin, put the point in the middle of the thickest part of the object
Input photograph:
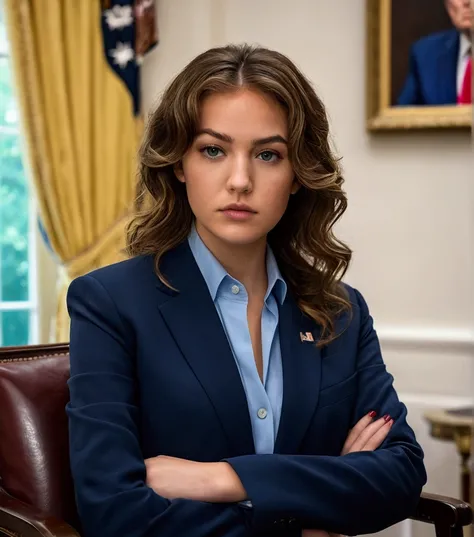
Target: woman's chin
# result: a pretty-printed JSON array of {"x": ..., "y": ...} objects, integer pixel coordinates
[{"x": 239, "y": 235}]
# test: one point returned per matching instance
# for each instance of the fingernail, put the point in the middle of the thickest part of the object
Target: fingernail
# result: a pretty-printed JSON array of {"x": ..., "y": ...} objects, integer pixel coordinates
[
  {"x": 386, "y": 418},
  {"x": 372, "y": 414}
]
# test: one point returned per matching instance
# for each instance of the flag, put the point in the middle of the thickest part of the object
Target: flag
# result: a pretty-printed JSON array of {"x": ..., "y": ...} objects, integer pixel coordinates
[{"x": 129, "y": 32}]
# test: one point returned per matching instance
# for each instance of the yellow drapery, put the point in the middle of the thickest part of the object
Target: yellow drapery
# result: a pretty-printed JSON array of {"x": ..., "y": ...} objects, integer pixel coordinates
[{"x": 80, "y": 132}]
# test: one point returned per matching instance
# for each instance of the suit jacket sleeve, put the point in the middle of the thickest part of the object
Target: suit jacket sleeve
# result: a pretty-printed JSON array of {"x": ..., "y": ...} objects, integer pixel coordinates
[
  {"x": 106, "y": 459},
  {"x": 411, "y": 93},
  {"x": 359, "y": 493}
]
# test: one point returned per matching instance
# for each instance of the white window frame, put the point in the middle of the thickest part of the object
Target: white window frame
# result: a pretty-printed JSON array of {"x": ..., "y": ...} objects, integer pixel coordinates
[{"x": 30, "y": 305}]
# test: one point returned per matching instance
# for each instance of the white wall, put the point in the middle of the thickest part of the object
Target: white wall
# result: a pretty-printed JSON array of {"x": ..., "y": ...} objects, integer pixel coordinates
[{"x": 410, "y": 198}]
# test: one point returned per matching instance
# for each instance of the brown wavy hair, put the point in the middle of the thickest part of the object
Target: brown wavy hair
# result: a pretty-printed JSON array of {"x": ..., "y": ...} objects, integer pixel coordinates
[{"x": 310, "y": 257}]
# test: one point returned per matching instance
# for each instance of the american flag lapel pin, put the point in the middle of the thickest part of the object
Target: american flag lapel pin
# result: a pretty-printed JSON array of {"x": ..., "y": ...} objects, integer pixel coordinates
[{"x": 306, "y": 336}]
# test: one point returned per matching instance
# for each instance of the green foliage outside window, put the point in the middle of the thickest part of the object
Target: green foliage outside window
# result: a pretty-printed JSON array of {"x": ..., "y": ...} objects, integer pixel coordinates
[{"x": 14, "y": 215}]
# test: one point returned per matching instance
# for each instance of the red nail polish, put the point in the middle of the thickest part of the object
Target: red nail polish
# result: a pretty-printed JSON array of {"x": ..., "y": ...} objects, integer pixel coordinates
[
  {"x": 387, "y": 418},
  {"x": 372, "y": 414}
]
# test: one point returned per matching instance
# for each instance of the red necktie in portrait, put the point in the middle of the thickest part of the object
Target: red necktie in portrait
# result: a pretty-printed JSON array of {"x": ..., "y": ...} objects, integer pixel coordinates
[{"x": 465, "y": 96}]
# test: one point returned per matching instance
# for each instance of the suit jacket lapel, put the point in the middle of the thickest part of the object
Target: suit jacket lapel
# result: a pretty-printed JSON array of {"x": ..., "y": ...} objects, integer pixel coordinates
[
  {"x": 301, "y": 362},
  {"x": 446, "y": 66},
  {"x": 197, "y": 329}
]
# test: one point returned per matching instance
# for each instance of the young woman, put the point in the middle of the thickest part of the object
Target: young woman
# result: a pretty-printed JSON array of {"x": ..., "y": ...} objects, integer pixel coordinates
[{"x": 224, "y": 382}]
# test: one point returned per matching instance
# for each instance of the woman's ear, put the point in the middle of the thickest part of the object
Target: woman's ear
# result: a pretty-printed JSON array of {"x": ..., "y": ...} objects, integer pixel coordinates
[{"x": 179, "y": 172}]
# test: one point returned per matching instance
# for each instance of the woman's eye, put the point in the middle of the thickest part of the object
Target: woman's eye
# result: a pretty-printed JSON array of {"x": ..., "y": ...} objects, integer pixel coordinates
[
  {"x": 212, "y": 152},
  {"x": 268, "y": 156}
]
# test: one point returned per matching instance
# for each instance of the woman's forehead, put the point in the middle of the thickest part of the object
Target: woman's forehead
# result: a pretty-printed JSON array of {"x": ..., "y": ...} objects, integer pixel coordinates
[{"x": 245, "y": 113}]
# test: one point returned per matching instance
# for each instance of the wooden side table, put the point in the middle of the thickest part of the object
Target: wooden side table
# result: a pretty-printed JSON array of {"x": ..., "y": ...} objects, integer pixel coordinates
[{"x": 456, "y": 425}]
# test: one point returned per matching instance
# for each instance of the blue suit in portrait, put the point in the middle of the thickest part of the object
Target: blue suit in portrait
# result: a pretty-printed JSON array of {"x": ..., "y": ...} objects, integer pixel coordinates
[
  {"x": 432, "y": 72},
  {"x": 152, "y": 373}
]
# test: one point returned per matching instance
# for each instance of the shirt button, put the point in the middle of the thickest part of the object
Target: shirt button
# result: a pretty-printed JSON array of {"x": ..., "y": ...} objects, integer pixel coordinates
[
  {"x": 262, "y": 413},
  {"x": 235, "y": 289}
]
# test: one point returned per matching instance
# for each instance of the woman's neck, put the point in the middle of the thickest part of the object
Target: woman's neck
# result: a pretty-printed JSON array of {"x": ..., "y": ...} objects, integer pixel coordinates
[{"x": 246, "y": 263}]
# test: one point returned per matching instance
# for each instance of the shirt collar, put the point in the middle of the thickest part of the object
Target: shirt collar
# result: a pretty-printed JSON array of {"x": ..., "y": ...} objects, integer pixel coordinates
[
  {"x": 214, "y": 273},
  {"x": 276, "y": 283},
  {"x": 464, "y": 46}
]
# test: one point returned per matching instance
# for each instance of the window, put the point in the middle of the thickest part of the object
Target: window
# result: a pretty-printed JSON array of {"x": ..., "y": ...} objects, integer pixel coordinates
[{"x": 18, "y": 300}]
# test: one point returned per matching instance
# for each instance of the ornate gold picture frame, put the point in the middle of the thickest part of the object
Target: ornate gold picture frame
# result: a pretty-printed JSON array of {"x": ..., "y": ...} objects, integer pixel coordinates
[{"x": 382, "y": 112}]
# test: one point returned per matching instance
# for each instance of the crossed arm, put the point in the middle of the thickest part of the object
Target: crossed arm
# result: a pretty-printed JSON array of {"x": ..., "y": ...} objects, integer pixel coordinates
[
  {"x": 357, "y": 493},
  {"x": 171, "y": 477}
]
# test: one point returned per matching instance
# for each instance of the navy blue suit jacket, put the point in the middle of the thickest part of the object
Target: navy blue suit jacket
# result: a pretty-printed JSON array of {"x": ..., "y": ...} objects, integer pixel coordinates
[
  {"x": 152, "y": 374},
  {"x": 432, "y": 71}
]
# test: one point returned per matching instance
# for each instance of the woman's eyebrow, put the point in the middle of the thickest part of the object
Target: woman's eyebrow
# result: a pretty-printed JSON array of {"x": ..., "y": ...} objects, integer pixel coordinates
[
  {"x": 270, "y": 139},
  {"x": 260, "y": 141},
  {"x": 215, "y": 134}
]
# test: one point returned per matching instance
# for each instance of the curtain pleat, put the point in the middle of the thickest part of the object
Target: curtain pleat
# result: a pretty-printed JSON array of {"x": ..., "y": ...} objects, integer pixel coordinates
[{"x": 80, "y": 130}]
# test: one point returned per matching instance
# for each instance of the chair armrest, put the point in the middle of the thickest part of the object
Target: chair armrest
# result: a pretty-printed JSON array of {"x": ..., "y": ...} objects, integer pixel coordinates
[
  {"x": 18, "y": 518},
  {"x": 445, "y": 513}
]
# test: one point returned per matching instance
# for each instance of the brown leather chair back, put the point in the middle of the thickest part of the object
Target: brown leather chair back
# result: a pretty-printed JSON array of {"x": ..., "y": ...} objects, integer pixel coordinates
[{"x": 34, "y": 450}]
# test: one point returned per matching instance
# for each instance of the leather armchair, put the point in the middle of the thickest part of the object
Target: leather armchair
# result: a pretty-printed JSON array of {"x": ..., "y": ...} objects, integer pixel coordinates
[{"x": 36, "y": 489}]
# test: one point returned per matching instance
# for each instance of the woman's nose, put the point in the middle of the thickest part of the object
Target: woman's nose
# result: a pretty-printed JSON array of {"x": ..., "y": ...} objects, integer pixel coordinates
[{"x": 240, "y": 177}]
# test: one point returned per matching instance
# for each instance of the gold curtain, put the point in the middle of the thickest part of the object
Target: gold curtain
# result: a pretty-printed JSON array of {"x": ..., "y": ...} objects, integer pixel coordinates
[{"x": 80, "y": 131}]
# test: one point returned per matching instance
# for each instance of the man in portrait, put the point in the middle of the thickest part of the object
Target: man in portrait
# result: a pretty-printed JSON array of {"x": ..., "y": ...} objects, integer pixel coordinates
[{"x": 440, "y": 67}]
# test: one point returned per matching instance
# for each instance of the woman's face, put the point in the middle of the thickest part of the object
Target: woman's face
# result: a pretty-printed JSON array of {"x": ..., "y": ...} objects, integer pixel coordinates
[{"x": 237, "y": 172}]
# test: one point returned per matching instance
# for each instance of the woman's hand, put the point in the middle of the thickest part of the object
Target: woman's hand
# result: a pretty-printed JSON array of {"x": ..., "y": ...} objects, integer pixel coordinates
[
  {"x": 366, "y": 435},
  {"x": 214, "y": 482}
]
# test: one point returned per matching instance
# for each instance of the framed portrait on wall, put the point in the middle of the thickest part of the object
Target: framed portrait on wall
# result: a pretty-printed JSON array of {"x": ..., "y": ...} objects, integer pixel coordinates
[{"x": 419, "y": 64}]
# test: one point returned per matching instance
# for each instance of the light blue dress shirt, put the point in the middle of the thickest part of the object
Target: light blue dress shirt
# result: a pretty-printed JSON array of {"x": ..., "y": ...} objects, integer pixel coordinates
[{"x": 230, "y": 299}]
